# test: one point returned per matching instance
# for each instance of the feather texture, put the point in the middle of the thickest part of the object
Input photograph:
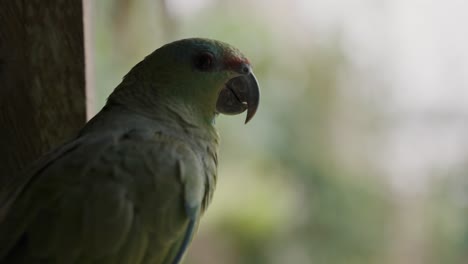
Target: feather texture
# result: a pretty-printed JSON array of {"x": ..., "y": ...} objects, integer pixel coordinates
[
  {"x": 118, "y": 196},
  {"x": 132, "y": 186}
]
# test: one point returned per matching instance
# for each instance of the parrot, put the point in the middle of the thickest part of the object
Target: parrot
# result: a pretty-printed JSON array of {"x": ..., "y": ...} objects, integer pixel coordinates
[{"x": 132, "y": 185}]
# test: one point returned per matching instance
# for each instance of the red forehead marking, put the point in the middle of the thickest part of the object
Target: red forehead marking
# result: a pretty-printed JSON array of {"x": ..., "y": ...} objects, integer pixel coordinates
[{"x": 235, "y": 62}]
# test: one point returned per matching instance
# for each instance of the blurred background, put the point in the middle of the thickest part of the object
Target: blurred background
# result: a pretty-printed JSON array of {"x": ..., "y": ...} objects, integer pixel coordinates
[{"x": 359, "y": 150}]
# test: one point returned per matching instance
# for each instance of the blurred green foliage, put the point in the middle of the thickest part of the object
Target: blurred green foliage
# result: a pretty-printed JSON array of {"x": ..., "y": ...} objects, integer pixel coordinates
[
  {"x": 446, "y": 212},
  {"x": 285, "y": 194}
]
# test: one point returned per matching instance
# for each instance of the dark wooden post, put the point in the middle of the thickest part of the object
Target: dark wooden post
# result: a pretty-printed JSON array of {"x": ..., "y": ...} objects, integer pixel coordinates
[{"x": 42, "y": 78}]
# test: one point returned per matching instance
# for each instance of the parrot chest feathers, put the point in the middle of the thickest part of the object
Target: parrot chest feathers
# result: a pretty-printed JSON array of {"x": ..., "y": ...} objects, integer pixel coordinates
[{"x": 123, "y": 196}]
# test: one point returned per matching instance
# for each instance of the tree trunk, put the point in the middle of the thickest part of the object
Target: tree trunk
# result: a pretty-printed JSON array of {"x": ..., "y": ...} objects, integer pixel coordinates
[{"x": 42, "y": 78}]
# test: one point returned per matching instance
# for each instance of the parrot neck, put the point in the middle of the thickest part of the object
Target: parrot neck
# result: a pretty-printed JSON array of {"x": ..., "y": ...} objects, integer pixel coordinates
[
  {"x": 130, "y": 110},
  {"x": 163, "y": 107}
]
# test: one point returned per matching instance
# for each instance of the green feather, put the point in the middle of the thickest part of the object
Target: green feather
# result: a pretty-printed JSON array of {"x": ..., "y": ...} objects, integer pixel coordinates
[{"x": 131, "y": 188}]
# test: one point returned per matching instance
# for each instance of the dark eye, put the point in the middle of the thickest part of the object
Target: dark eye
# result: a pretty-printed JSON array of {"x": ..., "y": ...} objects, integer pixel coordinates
[{"x": 204, "y": 61}]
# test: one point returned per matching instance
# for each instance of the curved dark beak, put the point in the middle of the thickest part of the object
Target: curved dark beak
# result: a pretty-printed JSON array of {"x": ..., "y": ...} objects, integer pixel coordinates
[{"x": 239, "y": 94}]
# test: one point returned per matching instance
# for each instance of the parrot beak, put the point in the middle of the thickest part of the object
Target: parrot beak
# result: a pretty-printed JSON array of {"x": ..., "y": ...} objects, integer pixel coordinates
[{"x": 239, "y": 94}]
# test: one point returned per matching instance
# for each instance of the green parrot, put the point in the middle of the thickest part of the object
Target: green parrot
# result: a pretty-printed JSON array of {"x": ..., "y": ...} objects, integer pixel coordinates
[{"x": 132, "y": 186}]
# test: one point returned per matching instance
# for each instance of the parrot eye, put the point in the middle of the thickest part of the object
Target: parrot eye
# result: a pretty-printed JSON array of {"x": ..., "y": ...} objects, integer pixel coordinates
[{"x": 204, "y": 61}]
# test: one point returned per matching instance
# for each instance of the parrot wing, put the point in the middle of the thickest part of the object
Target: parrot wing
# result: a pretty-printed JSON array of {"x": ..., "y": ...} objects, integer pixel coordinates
[
  {"x": 15, "y": 185},
  {"x": 130, "y": 197}
]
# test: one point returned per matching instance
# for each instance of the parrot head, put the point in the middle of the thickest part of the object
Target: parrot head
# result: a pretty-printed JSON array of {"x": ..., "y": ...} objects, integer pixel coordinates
[{"x": 208, "y": 76}]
